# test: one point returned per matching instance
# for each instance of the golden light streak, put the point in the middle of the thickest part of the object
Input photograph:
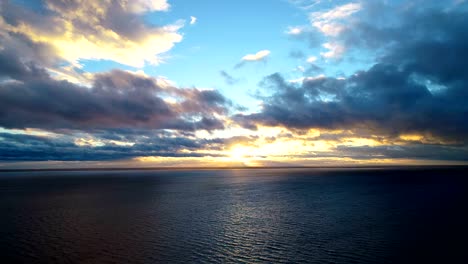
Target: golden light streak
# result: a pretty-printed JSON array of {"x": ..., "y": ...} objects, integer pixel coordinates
[{"x": 411, "y": 137}]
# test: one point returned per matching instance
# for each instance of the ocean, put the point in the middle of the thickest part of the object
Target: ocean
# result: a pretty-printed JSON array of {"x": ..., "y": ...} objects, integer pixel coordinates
[{"x": 283, "y": 215}]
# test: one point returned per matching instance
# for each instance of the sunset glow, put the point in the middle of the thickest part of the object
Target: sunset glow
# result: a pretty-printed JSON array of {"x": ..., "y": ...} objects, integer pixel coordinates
[{"x": 181, "y": 83}]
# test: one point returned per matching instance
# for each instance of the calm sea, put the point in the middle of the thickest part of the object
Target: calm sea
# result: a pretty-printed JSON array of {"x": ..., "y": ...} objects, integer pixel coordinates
[{"x": 411, "y": 215}]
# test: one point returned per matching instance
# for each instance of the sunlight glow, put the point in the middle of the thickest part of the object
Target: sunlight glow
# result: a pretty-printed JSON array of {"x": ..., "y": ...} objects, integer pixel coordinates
[{"x": 239, "y": 153}]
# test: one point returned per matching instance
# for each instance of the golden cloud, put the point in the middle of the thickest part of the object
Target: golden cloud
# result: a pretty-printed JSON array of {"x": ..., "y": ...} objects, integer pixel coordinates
[{"x": 101, "y": 30}]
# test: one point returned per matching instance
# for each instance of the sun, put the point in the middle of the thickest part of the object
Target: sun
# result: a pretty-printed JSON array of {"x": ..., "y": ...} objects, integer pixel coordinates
[{"x": 239, "y": 153}]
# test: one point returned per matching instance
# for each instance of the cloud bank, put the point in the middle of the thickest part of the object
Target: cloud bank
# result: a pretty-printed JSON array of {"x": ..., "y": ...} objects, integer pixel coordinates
[{"x": 417, "y": 86}]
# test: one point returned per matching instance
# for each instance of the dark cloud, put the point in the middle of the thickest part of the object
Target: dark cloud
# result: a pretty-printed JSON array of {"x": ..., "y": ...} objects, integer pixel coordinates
[
  {"x": 29, "y": 97},
  {"x": 415, "y": 151},
  {"x": 107, "y": 145},
  {"x": 115, "y": 114},
  {"x": 36, "y": 148},
  {"x": 389, "y": 25},
  {"x": 419, "y": 85},
  {"x": 12, "y": 67}
]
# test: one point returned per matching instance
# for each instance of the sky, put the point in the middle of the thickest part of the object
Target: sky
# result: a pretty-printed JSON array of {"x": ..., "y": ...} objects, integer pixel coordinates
[{"x": 149, "y": 83}]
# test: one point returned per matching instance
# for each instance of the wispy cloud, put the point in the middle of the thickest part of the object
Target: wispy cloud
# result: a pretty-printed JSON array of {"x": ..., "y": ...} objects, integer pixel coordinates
[
  {"x": 335, "y": 50},
  {"x": 228, "y": 78},
  {"x": 330, "y": 22},
  {"x": 326, "y": 28},
  {"x": 259, "y": 56},
  {"x": 311, "y": 59},
  {"x": 305, "y": 4},
  {"x": 295, "y": 31},
  {"x": 193, "y": 20}
]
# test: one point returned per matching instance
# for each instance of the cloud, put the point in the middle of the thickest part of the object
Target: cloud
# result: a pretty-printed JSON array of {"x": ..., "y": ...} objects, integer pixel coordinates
[
  {"x": 259, "y": 56},
  {"x": 142, "y": 6},
  {"x": 300, "y": 68},
  {"x": 382, "y": 99},
  {"x": 313, "y": 69},
  {"x": 307, "y": 79},
  {"x": 50, "y": 109},
  {"x": 94, "y": 30},
  {"x": 228, "y": 78},
  {"x": 417, "y": 86},
  {"x": 116, "y": 99},
  {"x": 295, "y": 31},
  {"x": 311, "y": 59},
  {"x": 305, "y": 4},
  {"x": 335, "y": 50},
  {"x": 114, "y": 144},
  {"x": 408, "y": 105},
  {"x": 326, "y": 28},
  {"x": 23, "y": 147},
  {"x": 329, "y": 22},
  {"x": 193, "y": 20},
  {"x": 415, "y": 151}
]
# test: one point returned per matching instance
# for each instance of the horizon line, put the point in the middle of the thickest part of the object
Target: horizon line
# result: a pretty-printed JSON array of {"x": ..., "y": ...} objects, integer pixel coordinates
[{"x": 235, "y": 168}]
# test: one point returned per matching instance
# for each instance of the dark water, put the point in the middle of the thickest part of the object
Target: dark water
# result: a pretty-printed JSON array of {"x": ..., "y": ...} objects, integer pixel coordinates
[{"x": 251, "y": 216}]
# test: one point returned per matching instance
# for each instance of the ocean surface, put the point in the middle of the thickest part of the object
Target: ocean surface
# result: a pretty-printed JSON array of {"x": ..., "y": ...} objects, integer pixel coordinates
[{"x": 397, "y": 215}]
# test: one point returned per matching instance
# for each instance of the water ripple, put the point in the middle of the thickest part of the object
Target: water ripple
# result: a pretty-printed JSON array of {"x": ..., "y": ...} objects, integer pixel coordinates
[{"x": 276, "y": 216}]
